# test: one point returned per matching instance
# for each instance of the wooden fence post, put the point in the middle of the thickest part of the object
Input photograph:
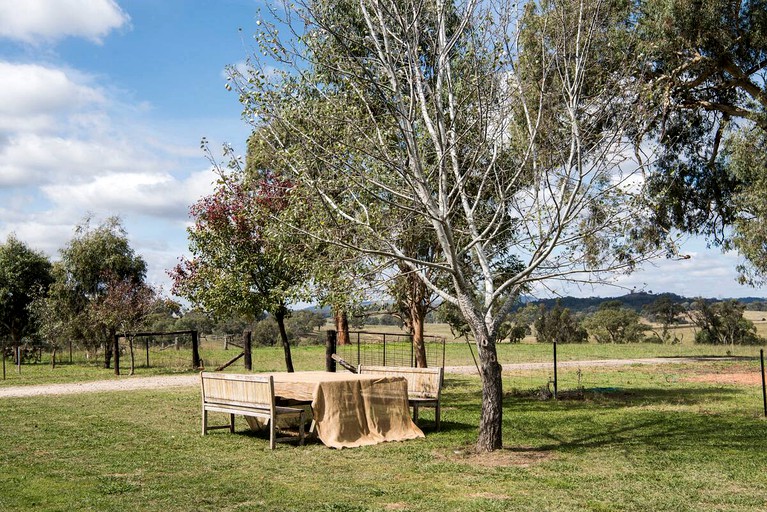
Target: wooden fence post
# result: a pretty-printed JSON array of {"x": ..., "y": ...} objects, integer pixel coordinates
[
  {"x": 555, "y": 369},
  {"x": 330, "y": 349},
  {"x": 195, "y": 351},
  {"x": 116, "y": 351},
  {"x": 247, "y": 340}
]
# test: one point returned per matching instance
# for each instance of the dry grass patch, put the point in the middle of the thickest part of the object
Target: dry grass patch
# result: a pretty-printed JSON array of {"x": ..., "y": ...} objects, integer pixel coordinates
[
  {"x": 738, "y": 374},
  {"x": 737, "y": 379},
  {"x": 396, "y": 506}
]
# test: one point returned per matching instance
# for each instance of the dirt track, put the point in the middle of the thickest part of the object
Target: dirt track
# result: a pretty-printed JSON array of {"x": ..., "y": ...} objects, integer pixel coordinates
[{"x": 167, "y": 381}]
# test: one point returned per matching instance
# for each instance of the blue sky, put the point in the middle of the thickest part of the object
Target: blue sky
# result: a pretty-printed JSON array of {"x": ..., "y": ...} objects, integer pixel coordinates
[{"x": 102, "y": 107}]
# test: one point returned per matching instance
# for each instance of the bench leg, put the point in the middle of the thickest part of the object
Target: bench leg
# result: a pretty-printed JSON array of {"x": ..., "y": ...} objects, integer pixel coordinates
[
  {"x": 204, "y": 421},
  {"x": 231, "y": 423},
  {"x": 272, "y": 433},
  {"x": 415, "y": 413},
  {"x": 436, "y": 415},
  {"x": 301, "y": 421}
]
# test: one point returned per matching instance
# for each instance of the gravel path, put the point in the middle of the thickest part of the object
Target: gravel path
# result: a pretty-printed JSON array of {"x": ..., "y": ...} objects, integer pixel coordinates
[
  {"x": 167, "y": 381},
  {"x": 594, "y": 362},
  {"x": 118, "y": 384}
]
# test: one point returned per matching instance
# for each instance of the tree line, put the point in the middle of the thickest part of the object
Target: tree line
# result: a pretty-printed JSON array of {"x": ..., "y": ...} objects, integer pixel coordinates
[
  {"x": 716, "y": 323},
  {"x": 97, "y": 289}
]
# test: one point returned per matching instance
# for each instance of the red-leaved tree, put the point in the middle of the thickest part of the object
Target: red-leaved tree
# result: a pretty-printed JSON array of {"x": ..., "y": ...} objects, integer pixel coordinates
[{"x": 236, "y": 266}]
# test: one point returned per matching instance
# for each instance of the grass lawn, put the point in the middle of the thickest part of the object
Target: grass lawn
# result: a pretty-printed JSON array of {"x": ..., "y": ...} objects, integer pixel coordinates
[{"x": 638, "y": 441}]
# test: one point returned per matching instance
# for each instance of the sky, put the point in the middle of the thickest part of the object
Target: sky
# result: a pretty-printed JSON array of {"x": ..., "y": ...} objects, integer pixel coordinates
[{"x": 103, "y": 104}]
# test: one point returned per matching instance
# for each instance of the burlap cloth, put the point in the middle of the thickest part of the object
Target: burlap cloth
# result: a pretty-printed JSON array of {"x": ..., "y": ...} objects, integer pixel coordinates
[{"x": 352, "y": 410}]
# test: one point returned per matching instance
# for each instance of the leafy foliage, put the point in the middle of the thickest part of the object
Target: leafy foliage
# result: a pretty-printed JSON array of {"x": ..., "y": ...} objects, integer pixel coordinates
[
  {"x": 24, "y": 276},
  {"x": 613, "y": 323},
  {"x": 559, "y": 325},
  {"x": 666, "y": 312},
  {"x": 707, "y": 108},
  {"x": 96, "y": 260},
  {"x": 722, "y": 323},
  {"x": 237, "y": 265}
]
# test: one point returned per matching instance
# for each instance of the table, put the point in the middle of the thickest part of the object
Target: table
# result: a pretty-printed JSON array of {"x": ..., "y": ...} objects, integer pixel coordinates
[{"x": 351, "y": 410}]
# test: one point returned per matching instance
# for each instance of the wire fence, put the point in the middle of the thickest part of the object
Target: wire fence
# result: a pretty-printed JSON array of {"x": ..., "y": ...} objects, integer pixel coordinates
[
  {"x": 390, "y": 349},
  {"x": 580, "y": 371}
]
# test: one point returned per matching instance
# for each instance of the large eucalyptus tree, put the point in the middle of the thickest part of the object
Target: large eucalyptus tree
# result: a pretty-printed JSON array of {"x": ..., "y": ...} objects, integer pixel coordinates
[{"x": 491, "y": 124}]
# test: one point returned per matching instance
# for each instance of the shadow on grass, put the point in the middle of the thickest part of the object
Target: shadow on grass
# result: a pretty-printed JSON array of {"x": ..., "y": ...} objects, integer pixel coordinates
[
  {"x": 638, "y": 418},
  {"x": 613, "y": 398},
  {"x": 693, "y": 433}
]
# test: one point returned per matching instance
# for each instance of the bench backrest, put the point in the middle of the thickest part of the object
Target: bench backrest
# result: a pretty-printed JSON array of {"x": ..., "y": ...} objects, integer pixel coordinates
[
  {"x": 243, "y": 390},
  {"x": 421, "y": 382}
]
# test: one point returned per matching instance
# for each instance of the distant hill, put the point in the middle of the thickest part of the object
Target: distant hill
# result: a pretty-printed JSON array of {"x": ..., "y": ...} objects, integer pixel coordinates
[{"x": 635, "y": 301}]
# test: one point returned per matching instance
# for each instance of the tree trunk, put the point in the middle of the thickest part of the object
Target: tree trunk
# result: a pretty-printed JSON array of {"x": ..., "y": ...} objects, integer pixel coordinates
[
  {"x": 280, "y": 318},
  {"x": 417, "y": 317},
  {"x": 491, "y": 421},
  {"x": 16, "y": 340},
  {"x": 107, "y": 354},
  {"x": 342, "y": 327}
]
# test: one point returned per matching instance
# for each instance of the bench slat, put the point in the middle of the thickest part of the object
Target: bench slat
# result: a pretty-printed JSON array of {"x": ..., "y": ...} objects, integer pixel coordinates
[{"x": 424, "y": 385}]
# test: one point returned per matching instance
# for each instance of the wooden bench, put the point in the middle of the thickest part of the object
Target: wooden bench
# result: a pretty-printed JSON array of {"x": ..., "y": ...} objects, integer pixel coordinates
[
  {"x": 248, "y": 395},
  {"x": 424, "y": 386}
]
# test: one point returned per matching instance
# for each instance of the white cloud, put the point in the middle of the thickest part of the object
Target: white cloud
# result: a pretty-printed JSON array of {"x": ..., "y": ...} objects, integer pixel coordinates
[
  {"x": 32, "y": 95},
  {"x": 40, "y": 231},
  {"x": 29, "y": 158},
  {"x": 35, "y": 21},
  {"x": 706, "y": 273},
  {"x": 158, "y": 194}
]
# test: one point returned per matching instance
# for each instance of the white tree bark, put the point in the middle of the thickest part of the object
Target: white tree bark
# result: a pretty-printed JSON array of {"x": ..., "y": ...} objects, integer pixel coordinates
[{"x": 394, "y": 110}]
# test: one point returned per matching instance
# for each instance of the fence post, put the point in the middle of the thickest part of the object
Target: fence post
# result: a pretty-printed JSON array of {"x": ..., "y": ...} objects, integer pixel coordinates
[
  {"x": 195, "y": 351},
  {"x": 443, "y": 356},
  {"x": 116, "y": 351},
  {"x": 384, "y": 350},
  {"x": 330, "y": 349},
  {"x": 412, "y": 350},
  {"x": 555, "y": 368},
  {"x": 247, "y": 340},
  {"x": 146, "y": 344},
  {"x": 764, "y": 388},
  {"x": 70, "y": 352},
  {"x": 3, "y": 360}
]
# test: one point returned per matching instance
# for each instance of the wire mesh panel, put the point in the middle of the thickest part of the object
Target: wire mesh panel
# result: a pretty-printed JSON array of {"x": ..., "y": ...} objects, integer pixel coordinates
[
  {"x": 389, "y": 349},
  {"x": 173, "y": 351}
]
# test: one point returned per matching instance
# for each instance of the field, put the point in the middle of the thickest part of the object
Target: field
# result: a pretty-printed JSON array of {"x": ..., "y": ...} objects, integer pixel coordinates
[{"x": 636, "y": 440}]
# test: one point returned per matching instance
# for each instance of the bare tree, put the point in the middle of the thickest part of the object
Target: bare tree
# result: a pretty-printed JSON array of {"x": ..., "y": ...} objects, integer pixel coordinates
[{"x": 492, "y": 124}]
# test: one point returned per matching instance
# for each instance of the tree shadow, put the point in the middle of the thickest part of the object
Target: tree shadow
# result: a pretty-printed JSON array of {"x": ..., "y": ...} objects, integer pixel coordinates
[
  {"x": 595, "y": 421},
  {"x": 660, "y": 431},
  {"x": 617, "y": 397}
]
